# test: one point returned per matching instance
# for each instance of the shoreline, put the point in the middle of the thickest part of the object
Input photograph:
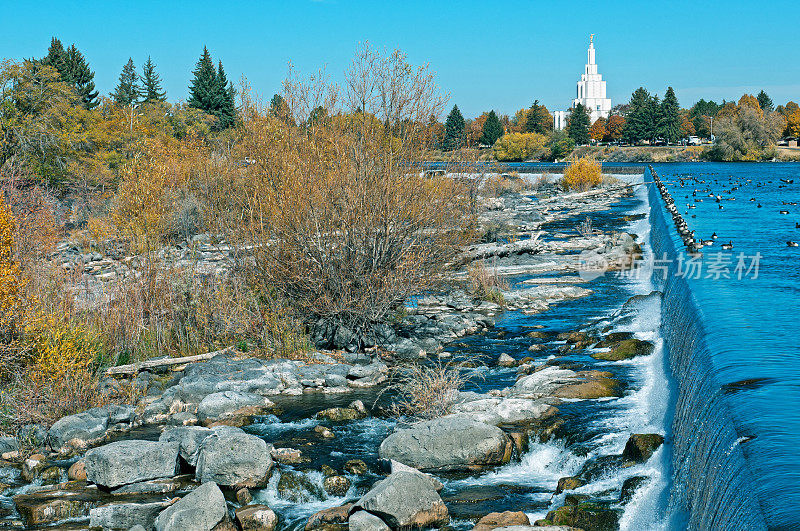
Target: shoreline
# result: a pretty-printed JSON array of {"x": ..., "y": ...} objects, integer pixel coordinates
[{"x": 522, "y": 410}]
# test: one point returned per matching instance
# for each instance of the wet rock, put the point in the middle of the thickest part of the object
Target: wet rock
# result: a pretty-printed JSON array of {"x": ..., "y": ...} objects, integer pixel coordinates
[
  {"x": 256, "y": 518},
  {"x": 189, "y": 439},
  {"x": 288, "y": 456},
  {"x": 157, "y": 486},
  {"x": 124, "y": 462},
  {"x": 626, "y": 349},
  {"x": 640, "y": 446},
  {"x": 364, "y": 521},
  {"x": 542, "y": 383},
  {"x": 587, "y": 516},
  {"x": 400, "y": 467},
  {"x": 8, "y": 444},
  {"x": 232, "y": 408},
  {"x": 590, "y": 385},
  {"x": 77, "y": 471},
  {"x": 568, "y": 483},
  {"x": 125, "y": 515},
  {"x": 504, "y": 519},
  {"x": 243, "y": 496},
  {"x": 357, "y": 467},
  {"x": 40, "y": 509},
  {"x": 331, "y": 519},
  {"x": 504, "y": 360},
  {"x": 324, "y": 432},
  {"x": 50, "y": 475},
  {"x": 630, "y": 486},
  {"x": 498, "y": 411},
  {"x": 201, "y": 509},
  {"x": 454, "y": 442},
  {"x": 614, "y": 338},
  {"x": 404, "y": 499},
  {"x": 340, "y": 414},
  {"x": 233, "y": 458},
  {"x": 336, "y": 485},
  {"x": 297, "y": 488}
]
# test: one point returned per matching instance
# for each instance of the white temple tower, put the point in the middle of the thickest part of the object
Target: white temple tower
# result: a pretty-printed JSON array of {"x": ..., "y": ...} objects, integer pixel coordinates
[{"x": 590, "y": 92}]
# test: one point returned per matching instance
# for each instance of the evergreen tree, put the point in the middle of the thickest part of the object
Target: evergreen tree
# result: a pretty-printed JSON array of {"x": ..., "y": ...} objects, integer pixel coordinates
[
  {"x": 204, "y": 90},
  {"x": 492, "y": 129},
  {"x": 669, "y": 123},
  {"x": 151, "y": 84},
  {"x": 538, "y": 119},
  {"x": 578, "y": 126},
  {"x": 127, "y": 91},
  {"x": 56, "y": 55},
  {"x": 453, "y": 130},
  {"x": 78, "y": 74},
  {"x": 642, "y": 119},
  {"x": 764, "y": 101},
  {"x": 226, "y": 96}
]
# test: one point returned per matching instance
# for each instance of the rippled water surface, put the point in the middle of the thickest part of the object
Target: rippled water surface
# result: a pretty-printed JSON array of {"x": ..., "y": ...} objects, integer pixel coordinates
[{"x": 750, "y": 323}]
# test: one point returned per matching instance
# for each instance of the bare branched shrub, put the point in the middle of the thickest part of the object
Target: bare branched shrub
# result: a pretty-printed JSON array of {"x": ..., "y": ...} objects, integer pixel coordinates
[
  {"x": 500, "y": 185},
  {"x": 427, "y": 392},
  {"x": 341, "y": 225},
  {"x": 585, "y": 228},
  {"x": 486, "y": 284}
]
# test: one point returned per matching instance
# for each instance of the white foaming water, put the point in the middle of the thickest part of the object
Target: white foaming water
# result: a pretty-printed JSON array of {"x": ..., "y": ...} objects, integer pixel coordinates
[
  {"x": 543, "y": 464},
  {"x": 307, "y": 503}
]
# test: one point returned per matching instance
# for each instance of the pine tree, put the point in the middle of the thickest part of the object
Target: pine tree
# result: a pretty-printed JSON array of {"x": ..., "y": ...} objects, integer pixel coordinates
[
  {"x": 204, "y": 90},
  {"x": 536, "y": 122},
  {"x": 56, "y": 55},
  {"x": 151, "y": 84},
  {"x": 127, "y": 91},
  {"x": 226, "y": 99},
  {"x": 453, "y": 130},
  {"x": 492, "y": 129},
  {"x": 76, "y": 71},
  {"x": 642, "y": 118},
  {"x": 764, "y": 101},
  {"x": 579, "y": 123},
  {"x": 669, "y": 122}
]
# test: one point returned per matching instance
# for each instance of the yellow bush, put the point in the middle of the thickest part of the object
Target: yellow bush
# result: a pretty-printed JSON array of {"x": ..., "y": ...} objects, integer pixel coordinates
[
  {"x": 59, "y": 349},
  {"x": 520, "y": 146},
  {"x": 582, "y": 174},
  {"x": 10, "y": 297}
]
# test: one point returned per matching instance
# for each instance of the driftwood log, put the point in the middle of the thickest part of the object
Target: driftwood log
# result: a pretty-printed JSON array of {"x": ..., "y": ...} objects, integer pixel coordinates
[{"x": 133, "y": 368}]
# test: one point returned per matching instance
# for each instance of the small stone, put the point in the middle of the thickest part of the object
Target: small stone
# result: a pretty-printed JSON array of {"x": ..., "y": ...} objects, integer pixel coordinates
[
  {"x": 504, "y": 519},
  {"x": 256, "y": 518},
  {"x": 568, "y": 483},
  {"x": 328, "y": 471},
  {"x": 77, "y": 471},
  {"x": 364, "y": 521},
  {"x": 288, "y": 456},
  {"x": 640, "y": 446},
  {"x": 324, "y": 432},
  {"x": 357, "y": 467},
  {"x": 243, "y": 496},
  {"x": 329, "y": 519},
  {"x": 506, "y": 361},
  {"x": 336, "y": 485}
]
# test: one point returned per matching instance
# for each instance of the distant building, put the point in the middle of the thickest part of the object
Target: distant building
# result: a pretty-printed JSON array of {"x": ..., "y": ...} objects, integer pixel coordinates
[{"x": 590, "y": 92}]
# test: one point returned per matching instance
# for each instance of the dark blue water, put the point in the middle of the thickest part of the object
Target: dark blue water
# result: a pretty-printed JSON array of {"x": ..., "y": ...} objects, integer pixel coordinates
[{"x": 732, "y": 334}]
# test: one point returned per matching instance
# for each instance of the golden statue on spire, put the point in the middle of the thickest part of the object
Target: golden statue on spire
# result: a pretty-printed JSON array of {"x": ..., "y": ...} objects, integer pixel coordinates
[{"x": 591, "y": 38}]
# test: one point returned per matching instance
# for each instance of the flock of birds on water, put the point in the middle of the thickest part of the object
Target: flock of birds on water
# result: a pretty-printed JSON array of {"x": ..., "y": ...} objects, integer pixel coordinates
[{"x": 695, "y": 245}]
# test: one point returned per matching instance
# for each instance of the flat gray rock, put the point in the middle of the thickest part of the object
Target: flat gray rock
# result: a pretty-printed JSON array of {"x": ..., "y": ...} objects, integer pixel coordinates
[
  {"x": 125, "y": 462},
  {"x": 404, "y": 499},
  {"x": 233, "y": 458},
  {"x": 200, "y": 510}
]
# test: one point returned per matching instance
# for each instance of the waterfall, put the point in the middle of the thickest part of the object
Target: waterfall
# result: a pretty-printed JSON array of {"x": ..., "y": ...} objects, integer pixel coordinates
[{"x": 712, "y": 485}]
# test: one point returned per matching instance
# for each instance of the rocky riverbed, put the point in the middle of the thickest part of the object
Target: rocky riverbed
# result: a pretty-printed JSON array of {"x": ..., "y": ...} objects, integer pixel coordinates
[{"x": 539, "y": 438}]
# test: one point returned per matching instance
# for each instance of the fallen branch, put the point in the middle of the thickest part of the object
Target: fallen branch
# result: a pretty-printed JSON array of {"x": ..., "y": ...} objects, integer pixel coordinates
[{"x": 133, "y": 368}]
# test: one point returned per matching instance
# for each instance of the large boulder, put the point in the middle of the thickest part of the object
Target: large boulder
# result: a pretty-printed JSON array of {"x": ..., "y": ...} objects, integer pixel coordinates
[
  {"x": 124, "y": 462},
  {"x": 498, "y": 411},
  {"x": 88, "y": 426},
  {"x": 626, "y": 349},
  {"x": 404, "y": 499},
  {"x": 233, "y": 458},
  {"x": 200, "y": 510},
  {"x": 504, "y": 519},
  {"x": 125, "y": 515},
  {"x": 256, "y": 518},
  {"x": 640, "y": 446},
  {"x": 329, "y": 519},
  {"x": 232, "y": 408},
  {"x": 189, "y": 438},
  {"x": 586, "y": 515},
  {"x": 454, "y": 442}
]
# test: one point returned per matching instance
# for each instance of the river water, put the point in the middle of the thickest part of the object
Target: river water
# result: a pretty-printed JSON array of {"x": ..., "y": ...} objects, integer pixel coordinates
[{"x": 731, "y": 328}]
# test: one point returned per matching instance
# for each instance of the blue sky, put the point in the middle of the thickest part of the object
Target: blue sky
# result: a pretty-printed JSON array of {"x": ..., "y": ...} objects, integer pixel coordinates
[{"x": 488, "y": 55}]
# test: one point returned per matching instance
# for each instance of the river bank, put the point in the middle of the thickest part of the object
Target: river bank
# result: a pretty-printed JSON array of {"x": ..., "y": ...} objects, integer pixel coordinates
[{"x": 559, "y": 423}]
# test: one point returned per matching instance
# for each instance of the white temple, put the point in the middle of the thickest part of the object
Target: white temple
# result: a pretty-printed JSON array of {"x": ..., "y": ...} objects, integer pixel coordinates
[{"x": 591, "y": 93}]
